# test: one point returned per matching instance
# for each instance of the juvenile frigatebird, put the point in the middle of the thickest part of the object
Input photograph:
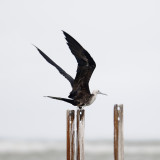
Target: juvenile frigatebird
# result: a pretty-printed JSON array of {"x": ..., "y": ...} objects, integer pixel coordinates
[{"x": 80, "y": 95}]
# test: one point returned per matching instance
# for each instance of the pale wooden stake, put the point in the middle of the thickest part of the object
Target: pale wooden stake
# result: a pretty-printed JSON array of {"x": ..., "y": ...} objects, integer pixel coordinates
[
  {"x": 118, "y": 133},
  {"x": 70, "y": 135},
  {"x": 80, "y": 134}
]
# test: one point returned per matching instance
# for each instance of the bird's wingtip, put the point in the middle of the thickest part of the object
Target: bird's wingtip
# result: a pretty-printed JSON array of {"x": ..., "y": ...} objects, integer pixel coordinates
[
  {"x": 34, "y": 45},
  {"x": 65, "y": 33},
  {"x": 37, "y": 48}
]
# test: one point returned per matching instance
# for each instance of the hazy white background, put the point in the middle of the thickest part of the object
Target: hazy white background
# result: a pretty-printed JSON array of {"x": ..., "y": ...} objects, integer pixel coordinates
[{"x": 123, "y": 37}]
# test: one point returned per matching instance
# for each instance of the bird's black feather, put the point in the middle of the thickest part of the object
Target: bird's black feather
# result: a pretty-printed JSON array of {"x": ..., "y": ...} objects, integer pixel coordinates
[
  {"x": 64, "y": 99},
  {"x": 86, "y": 66},
  {"x": 67, "y": 76}
]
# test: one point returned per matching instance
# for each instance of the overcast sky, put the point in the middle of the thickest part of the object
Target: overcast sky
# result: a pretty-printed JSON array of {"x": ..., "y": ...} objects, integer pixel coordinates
[{"x": 123, "y": 37}]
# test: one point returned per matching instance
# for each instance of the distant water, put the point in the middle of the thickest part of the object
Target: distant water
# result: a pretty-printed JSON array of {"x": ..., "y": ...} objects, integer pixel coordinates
[{"x": 96, "y": 150}]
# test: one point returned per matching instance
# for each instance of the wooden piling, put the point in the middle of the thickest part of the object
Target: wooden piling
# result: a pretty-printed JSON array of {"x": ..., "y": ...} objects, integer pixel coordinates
[
  {"x": 70, "y": 135},
  {"x": 80, "y": 134},
  {"x": 118, "y": 133}
]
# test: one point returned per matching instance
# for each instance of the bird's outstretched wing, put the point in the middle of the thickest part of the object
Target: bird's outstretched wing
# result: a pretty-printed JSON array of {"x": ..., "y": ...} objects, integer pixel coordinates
[
  {"x": 86, "y": 66},
  {"x": 67, "y": 76}
]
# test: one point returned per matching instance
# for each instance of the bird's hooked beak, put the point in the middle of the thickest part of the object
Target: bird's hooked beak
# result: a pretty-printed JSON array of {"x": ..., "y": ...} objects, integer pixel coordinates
[{"x": 102, "y": 93}]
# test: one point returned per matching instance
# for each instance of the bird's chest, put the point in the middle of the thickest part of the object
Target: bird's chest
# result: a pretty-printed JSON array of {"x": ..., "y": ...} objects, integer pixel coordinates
[
  {"x": 92, "y": 99},
  {"x": 83, "y": 100}
]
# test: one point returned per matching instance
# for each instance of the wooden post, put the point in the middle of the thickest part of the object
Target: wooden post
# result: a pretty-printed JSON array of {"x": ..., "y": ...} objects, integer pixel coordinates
[
  {"x": 70, "y": 135},
  {"x": 118, "y": 133},
  {"x": 80, "y": 134}
]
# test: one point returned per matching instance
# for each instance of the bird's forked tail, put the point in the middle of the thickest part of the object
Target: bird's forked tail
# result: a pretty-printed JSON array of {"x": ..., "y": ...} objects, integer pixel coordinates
[{"x": 63, "y": 99}]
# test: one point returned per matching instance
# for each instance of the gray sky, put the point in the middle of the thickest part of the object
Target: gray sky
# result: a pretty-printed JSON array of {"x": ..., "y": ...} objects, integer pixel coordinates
[{"x": 123, "y": 37}]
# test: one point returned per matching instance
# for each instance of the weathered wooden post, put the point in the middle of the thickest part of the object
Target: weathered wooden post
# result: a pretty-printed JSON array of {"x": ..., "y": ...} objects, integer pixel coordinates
[
  {"x": 70, "y": 135},
  {"x": 118, "y": 132},
  {"x": 80, "y": 134}
]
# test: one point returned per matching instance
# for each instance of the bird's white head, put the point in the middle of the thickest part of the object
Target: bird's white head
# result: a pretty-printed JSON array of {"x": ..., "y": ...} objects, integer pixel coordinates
[{"x": 95, "y": 92}]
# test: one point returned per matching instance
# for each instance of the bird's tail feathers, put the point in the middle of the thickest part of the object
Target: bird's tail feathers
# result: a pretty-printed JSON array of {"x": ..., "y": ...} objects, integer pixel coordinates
[{"x": 63, "y": 99}]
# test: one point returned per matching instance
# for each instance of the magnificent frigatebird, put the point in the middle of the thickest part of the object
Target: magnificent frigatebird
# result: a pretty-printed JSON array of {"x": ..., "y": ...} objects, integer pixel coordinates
[{"x": 80, "y": 95}]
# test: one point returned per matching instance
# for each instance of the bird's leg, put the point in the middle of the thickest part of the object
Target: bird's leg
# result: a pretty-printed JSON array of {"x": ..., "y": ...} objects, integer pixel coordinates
[{"x": 80, "y": 107}]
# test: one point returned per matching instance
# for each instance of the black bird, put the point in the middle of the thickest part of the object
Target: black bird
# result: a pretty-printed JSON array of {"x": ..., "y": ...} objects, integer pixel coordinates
[{"x": 80, "y": 95}]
